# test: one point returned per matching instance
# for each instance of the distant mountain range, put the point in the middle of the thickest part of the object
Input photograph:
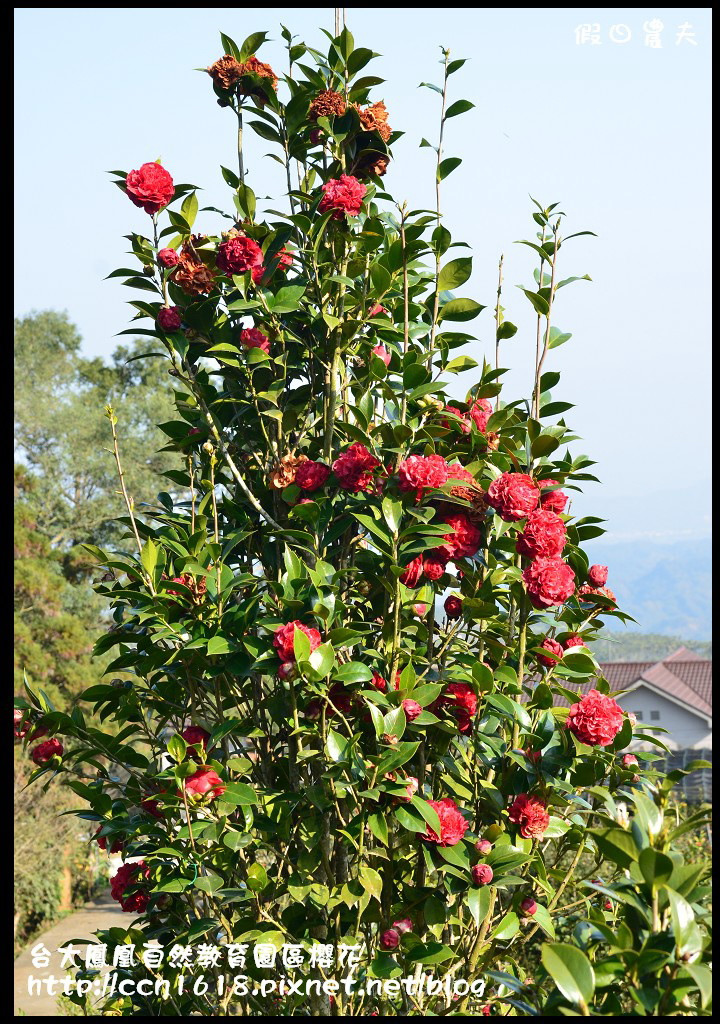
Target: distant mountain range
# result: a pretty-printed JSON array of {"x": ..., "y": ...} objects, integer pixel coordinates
[{"x": 666, "y": 587}]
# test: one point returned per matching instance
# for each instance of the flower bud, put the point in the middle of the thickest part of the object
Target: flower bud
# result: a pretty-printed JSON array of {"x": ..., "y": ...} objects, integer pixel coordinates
[
  {"x": 482, "y": 874},
  {"x": 528, "y": 906},
  {"x": 390, "y": 939}
]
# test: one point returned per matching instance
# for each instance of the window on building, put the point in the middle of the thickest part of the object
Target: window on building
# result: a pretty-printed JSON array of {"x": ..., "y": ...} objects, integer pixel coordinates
[
  {"x": 638, "y": 715},
  {"x": 654, "y": 716}
]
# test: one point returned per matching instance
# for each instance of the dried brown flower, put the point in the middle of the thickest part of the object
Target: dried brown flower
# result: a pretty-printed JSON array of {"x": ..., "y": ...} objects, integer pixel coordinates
[
  {"x": 327, "y": 103},
  {"x": 283, "y": 474},
  {"x": 192, "y": 275},
  {"x": 226, "y": 72},
  {"x": 375, "y": 119},
  {"x": 372, "y": 163},
  {"x": 253, "y": 66}
]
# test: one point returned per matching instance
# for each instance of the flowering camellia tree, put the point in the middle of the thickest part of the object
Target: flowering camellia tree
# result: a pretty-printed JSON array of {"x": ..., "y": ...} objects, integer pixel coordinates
[{"x": 351, "y": 734}]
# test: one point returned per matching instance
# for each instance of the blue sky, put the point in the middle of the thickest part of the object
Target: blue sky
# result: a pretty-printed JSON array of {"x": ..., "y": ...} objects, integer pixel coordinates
[{"x": 618, "y": 132}]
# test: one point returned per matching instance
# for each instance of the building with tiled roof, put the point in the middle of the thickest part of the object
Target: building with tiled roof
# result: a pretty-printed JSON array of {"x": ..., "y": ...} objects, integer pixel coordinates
[{"x": 674, "y": 694}]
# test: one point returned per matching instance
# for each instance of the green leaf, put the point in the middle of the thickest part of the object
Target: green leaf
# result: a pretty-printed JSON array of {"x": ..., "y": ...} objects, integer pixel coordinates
[
  {"x": 687, "y": 934},
  {"x": 571, "y": 971},
  {"x": 648, "y": 813},
  {"x": 478, "y": 899},
  {"x": 656, "y": 867},
  {"x": 378, "y": 826},
  {"x": 322, "y": 659},
  {"x": 189, "y": 208},
  {"x": 539, "y": 303},
  {"x": 149, "y": 556},
  {"x": 506, "y": 330},
  {"x": 337, "y": 746},
  {"x": 251, "y": 45},
  {"x": 447, "y": 166},
  {"x": 616, "y": 844},
  {"x": 458, "y": 107},
  {"x": 460, "y": 310},
  {"x": 508, "y": 927},
  {"x": 371, "y": 882},
  {"x": 257, "y": 878},
  {"x": 455, "y": 273},
  {"x": 430, "y": 953},
  {"x": 287, "y": 299}
]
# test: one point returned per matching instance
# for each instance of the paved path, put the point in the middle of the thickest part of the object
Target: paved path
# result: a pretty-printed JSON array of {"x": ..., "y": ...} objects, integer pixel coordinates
[{"x": 100, "y": 914}]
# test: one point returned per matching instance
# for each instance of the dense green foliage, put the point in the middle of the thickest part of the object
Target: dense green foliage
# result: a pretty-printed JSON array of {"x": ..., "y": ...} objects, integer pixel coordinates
[
  {"x": 66, "y": 493},
  {"x": 352, "y": 746}
]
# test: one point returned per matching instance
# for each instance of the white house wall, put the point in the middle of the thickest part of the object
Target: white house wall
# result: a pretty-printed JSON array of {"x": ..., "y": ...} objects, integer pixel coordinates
[{"x": 685, "y": 730}]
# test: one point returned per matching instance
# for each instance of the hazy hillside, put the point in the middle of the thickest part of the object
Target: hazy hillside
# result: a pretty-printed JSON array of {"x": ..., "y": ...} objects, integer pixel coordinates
[
  {"x": 665, "y": 586},
  {"x": 645, "y": 646}
]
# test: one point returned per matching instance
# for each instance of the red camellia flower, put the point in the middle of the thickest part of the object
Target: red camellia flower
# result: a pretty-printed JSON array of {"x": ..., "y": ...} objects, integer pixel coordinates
[
  {"x": 419, "y": 472},
  {"x": 482, "y": 874},
  {"x": 340, "y": 700},
  {"x": 462, "y": 417},
  {"x": 150, "y": 187},
  {"x": 283, "y": 260},
  {"x": 629, "y": 760},
  {"x": 413, "y": 573},
  {"x": 382, "y": 353},
  {"x": 461, "y": 700},
  {"x": 343, "y": 195},
  {"x": 390, "y": 939},
  {"x": 169, "y": 318},
  {"x": 412, "y": 709},
  {"x": 513, "y": 496},
  {"x": 597, "y": 575},
  {"x": 116, "y": 847},
  {"x": 239, "y": 254},
  {"x": 463, "y": 541},
  {"x": 574, "y": 641},
  {"x": 434, "y": 567},
  {"x": 479, "y": 413},
  {"x": 251, "y": 337},
  {"x": 453, "y": 606},
  {"x": 452, "y": 824},
  {"x": 152, "y": 807},
  {"x": 419, "y": 609},
  {"x": 528, "y": 906},
  {"x": 530, "y": 814},
  {"x": 46, "y": 751},
  {"x": 544, "y": 535},
  {"x": 376, "y": 310},
  {"x": 311, "y": 475},
  {"x": 553, "y": 501},
  {"x": 403, "y": 925},
  {"x": 128, "y": 887},
  {"x": 549, "y": 581},
  {"x": 195, "y": 735},
  {"x": 205, "y": 784},
  {"x": 168, "y": 257},
  {"x": 284, "y": 639},
  {"x": 483, "y": 846},
  {"x": 596, "y": 720},
  {"x": 554, "y": 647},
  {"x": 379, "y": 682},
  {"x": 354, "y": 468}
]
